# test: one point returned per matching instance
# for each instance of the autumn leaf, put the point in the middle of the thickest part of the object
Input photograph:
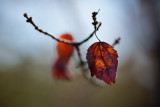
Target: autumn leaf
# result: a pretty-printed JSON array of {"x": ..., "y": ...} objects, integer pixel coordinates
[
  {"x": 102, "y": 61},
  {"x": 65, "y": 51},
  {"x": 60, "y": 69}
]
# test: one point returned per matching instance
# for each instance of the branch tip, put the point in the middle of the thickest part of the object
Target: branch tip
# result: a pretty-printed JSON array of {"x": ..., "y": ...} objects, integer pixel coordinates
[
  {"x": 25, "y": 15},
  {"x": 116, "y": 41}
]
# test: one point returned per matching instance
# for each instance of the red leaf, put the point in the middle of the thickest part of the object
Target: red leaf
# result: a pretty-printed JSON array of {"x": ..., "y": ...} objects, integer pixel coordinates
[
  {"x": 65, "y": 51},
  {"x": 102, "y": 61},
  {"x": 60, "y": 69}
]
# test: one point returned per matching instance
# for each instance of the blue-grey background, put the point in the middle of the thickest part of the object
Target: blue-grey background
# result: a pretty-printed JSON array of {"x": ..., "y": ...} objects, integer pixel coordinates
[{"x": 26, "y": 56}]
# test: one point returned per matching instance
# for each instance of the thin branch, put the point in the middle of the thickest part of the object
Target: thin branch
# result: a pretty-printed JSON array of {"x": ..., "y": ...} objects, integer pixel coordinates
[
  {"x": 76, "y": 44},
  {"x": 90, "y": 34},
  {"x": 29, "y": 20},
  {"x": 80, "y": 57}
]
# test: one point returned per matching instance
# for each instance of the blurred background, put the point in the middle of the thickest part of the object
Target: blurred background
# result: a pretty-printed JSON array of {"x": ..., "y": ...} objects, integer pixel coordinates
[{"x": 27, "y": 56}]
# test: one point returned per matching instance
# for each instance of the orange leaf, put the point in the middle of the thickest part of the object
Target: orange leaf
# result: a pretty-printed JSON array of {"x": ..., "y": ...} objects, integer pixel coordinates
[
  {"x": 102, "y": 61},
  {"x": 65, "y": 51}
]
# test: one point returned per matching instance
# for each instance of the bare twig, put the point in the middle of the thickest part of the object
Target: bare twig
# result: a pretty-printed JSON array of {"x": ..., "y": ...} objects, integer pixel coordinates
[
  {"x": 29, "y": 20},
  {"x": 79, "y": 55},
  {"x": 75, "y": 44},
  {"x": 95, "y": 22},
  {"x": 90, "y": 34}
]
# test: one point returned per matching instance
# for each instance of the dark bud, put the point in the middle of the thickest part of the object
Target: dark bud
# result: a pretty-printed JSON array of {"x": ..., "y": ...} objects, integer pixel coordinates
[
  {"x": 28, "y": 20},
  {"x": 95, "y": 23},
  {"x": 36, "y": 27},
  {"x": 117, "y": 41},
  {"x": 40, "y": 30},
  {"x": 25, "y": 15},
  {"x": 94, "y": 13}
]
